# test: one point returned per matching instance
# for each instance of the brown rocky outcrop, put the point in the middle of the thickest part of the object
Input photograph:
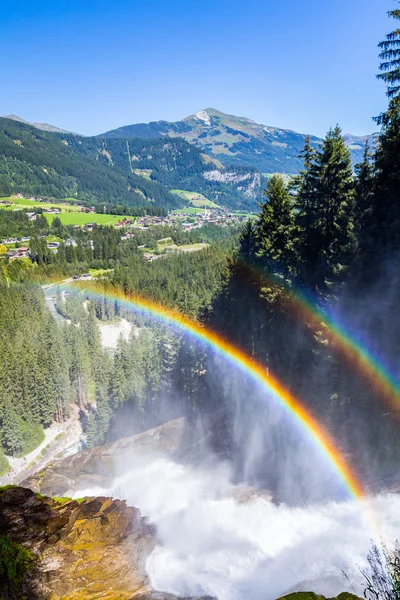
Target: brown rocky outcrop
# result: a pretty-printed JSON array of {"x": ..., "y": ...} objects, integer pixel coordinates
[{"x": 94, "y": 548}]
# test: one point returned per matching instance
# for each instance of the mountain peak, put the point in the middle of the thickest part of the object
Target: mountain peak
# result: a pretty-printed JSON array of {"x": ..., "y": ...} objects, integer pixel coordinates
[{"x": 235, "y": 140}]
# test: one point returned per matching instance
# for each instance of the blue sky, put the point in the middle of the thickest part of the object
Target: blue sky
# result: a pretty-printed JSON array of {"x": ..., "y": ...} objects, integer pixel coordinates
[{"x": 93, "y": 65}]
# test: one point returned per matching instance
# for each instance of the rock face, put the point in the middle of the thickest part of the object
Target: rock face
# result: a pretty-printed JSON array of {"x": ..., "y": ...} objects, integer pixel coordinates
[
  {"x": 98, "y": 466},
  {"x": 94, "y": 548}
]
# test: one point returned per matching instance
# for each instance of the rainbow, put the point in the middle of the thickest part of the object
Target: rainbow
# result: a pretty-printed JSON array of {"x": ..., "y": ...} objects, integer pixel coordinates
[
  {"x": 342, "y": 342},
  {"x": 251, "y": 368}
]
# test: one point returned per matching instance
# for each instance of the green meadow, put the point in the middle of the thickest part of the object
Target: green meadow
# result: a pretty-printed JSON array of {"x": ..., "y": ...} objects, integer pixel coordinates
[
  {"x": 80, "y": 218},
  {"x": 70, "y": 214},
  {"x": 29, "y": 204},
  {"x": 197, "y": 200}
]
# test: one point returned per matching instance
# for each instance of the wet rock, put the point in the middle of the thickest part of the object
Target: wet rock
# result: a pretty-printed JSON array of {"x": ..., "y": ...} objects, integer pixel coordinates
[
  {"x": 93, "y": 548},
  {"x": 98, "y": 466}
]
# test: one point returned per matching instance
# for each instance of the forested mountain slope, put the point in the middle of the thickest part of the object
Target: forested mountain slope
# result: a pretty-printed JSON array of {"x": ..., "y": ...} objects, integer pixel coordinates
[
  {"x": 118, "y": 171},
  {"x": 175, "y": 164},
  {"x": 41, "y": 163},
  {"x": 236, "y": 140}
]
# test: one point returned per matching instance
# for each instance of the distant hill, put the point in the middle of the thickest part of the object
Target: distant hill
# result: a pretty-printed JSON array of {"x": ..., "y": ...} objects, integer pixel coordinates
[
  {"x": 41, "y": 126},
  {"x": 117, "y": 171},
  {"x": 236, "y": 140}
]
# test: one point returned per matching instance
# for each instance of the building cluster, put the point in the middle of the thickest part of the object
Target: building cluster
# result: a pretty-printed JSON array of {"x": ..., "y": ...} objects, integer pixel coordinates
[
  {"x": 23, "y": 251},
  {"x": 190, "y": 221},
  {"x": 124, "y": 223}
]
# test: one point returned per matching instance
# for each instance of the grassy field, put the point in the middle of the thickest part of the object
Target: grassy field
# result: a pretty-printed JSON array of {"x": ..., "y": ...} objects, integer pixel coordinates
[
  {"x": 25, "y": 203},
  {"x": 165, "y": 248},
  {"x": 70, "y": 215},
  {"x": 143, "y": 172},
  {"x": 188, "y": 211},
  {"x": 250, "y": 216},
  {"x": 185, "y": 248},
  {"x": 100, "y": 272},
  {"x": 78, "y": 218},
  {"x": 193, "y": 247},
  {"x": 195, "y": 199}
]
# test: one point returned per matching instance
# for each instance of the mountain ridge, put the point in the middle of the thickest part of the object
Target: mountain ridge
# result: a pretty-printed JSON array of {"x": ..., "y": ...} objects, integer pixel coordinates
[
  {"x": 228, "y": 139},
  {"x": 118, "y": 171},
  {"x": 237, "y": 140},
  {"x": 41, "y": 126}
]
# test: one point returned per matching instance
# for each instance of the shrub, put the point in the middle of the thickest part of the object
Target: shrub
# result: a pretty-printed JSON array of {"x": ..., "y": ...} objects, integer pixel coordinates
[
  {"x": 383, "y": 575},
  {"x": 15, "y": 563}
]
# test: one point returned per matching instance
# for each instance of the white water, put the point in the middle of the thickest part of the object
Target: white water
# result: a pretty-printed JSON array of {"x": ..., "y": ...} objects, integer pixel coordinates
[{"x": 211, "y": 544}]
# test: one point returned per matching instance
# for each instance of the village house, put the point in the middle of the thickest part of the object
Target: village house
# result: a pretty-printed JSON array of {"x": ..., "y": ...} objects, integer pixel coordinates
[{"x": 18, "y": 253}]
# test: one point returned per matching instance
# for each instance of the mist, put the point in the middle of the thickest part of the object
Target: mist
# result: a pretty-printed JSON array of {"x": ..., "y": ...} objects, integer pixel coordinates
[{"x": 219, "y": 539}]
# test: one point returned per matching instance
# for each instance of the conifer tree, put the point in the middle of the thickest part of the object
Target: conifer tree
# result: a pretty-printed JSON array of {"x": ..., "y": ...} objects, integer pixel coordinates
[
  {"x": 248, "y": 244},
  {"x": 307, "y": 212},
  {"x": 364, "y": 186},
  {"x": 384, "y": 224},
  {"x": 327, "y": 226},
  {"x": 276, "y": 229},
  {"x": 11, "y": 434},
  {"x": 390, "y": 56}
]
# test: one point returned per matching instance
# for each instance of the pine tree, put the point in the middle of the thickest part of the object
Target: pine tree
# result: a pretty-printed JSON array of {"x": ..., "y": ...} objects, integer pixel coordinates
[
  {"x": 329, "y": 232},
  {"x": 80, "y": 365},
  {"x": 384, "y": 225},
  {"x": 390, "y": 56},
  {"x": 248, "y": 244},
  {"x": 10, "y": 430},
  {"x": 99, "y": 420},
  {"x": 276, "y": 229},
  {"x": 168, "y": 347},
  {"x": 307, "y": 212},
  {"x": 364, "y": 186}
]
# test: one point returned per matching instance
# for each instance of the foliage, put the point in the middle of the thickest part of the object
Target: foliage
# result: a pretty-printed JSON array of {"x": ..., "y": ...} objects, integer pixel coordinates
[
  {"x": 32, "y": 436},
  {"x": 43, "y": 366},
  {"x": 276, "y": 230},
  {"x": 325, "y": 202},
  {"x": 15, "y": 564},
  {"x": 382, "y": 231},
  {"x": 382, "y": 578},
  {"x": 390, "y": 56}
]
